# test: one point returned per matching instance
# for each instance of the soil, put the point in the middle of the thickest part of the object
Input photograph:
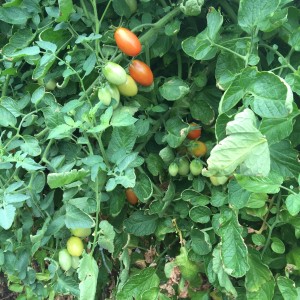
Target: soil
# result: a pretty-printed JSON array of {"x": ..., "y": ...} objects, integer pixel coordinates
[{"x": 5, "y": 293}]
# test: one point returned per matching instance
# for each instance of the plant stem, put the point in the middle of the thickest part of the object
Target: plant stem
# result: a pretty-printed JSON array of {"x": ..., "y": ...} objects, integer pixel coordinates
[
  {"x": 103, "y": 152},
  {"x": 228, "y": 50},
  {"x": 98, "y": 201},
  {"x": 273, "y": 225},
  {"x": 5, "y": 86},
  {"x": 279, "y": 55},
  {"x": 229, "y": 11}
]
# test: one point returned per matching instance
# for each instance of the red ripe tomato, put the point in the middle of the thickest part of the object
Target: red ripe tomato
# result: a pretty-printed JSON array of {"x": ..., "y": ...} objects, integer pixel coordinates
[
  {"x": 127, "y": 41},
  {"x": 141, "y": 73},
  {"x": 131, "y": 197},
  {"x": 194, "y": 133}
]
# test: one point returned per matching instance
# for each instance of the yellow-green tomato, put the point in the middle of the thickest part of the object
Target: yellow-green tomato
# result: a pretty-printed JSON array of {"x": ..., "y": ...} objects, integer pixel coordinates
[
  {"x": 104, "y": 95},
  {"x": 115, "y": 94},
  {"x": 65, "y": 259},
  {"x": 75, "y": 246},
  {"x": 129, "y": 88},
  {"x": 75, "y": 262},
  {"x": 114, "y": 73},
  {"x": 183, "y": 166},
  {"x": 218, "y": 180},
  {"x": 81, "y": 232}
]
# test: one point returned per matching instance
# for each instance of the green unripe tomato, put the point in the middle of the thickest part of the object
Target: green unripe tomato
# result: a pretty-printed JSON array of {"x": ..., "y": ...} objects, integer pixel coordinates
[
  {"x": 64, "y": 259},
  {"x": 132, "y": 4},
  {"x": 75, "y": 262},
  {"x": 218, "y": 180},
  {"x": 183, "y": 166},
  {"x": 129, "y": 88},
  {"x": 75, "y": 246},
  {"x": 196, "y": 167},
  {"x": 115, "y": 94},
  {"x": 173, "y": 169},
  {"x": 81, "y": 232},
  {"x": 104, "y": 95},
  {"x": 114, "y": 73},
  {"x": 50, "y": 85}
]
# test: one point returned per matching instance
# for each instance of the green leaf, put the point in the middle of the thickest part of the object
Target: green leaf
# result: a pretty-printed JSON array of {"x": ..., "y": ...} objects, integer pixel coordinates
[
  {"x": 259, "y": 281},
  {"x": 227, "y": 68},
  {"x": 31, "y": 145},
  {"x": 257, "y": 200},
  {"x": 76, "y": 218},
  {"x": 106, "y": 236},
  {"x": 284, "y": 159},
  {"x": 276, "y": 130},
  {"x": 260, "y": 87},
  {"x": 201, "y": 110},
  {"x": 253, "y": 14},
  {"x": 174, "y": 89},
  {"x": 138, "y": 283},
  {"x": 66, "y": 285},
  {"x": 176, "y": 132},
  {"x": 202, "y": 46},
  {"x": 89, "y": 64},
  {"x": 234, "y": 252},
  {"x": 43, "y": 66},
  {"x": 155, "y": 164},
  {"x": 218, "y": 269},
  {"x": 88, "y": 275},
  {"x": 293, "y": 204},
  {"x": 188, "y": 269},
  {"x": 122, "y": 116},
  {"x": 7, "y": 215},
  {"x": 237, "y": 196},
  {"x": 7, "y": 118},
  {"x": 143, "y": 188},
  {"x": 258, "y": 239},
  {"x": 121, "y": 8},
  {"x": 244, "y": 147},
  {"x": 277, "y": 245},
  {"x": 270, "y": 184},
  {"x": 287, "y": 288},
  {"x": 195, "y": 198},
  {"x": 14, "y": 15},
  {"x": 200, "y": 214},
  {"x": 140, "y": 224},
  {"x": 200, "y": 242},
  {"x": 65, "y": 9},
  {"x": 56, "y": 180}
]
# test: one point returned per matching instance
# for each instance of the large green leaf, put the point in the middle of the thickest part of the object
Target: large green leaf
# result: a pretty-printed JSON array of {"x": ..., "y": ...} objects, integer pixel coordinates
[
  {"x": 234, "y": 252},
  {"x": 140, "y": 224},
  {"x": 259, "y": 281},
  {"x": 287, "y": 288},
  {"x": 88, "y": 275},
  {"x": 245, "y": 147},
  {"x": 253, "y": 14},
  {"x": 270, "y": 184},
  {"x": 260, "y": 87},
  {"x": 56, "y": 180}
]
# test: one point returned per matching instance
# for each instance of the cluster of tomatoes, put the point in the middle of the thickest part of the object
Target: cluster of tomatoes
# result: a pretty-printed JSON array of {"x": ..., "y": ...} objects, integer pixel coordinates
[
  {"x": 118, "y": 81},
  {"x": 69, "y": 257},
  {"x": 196, "y": 149}
]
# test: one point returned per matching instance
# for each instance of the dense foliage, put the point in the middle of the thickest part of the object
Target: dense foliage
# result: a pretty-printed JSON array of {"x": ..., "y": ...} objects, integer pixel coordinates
[{"x": 180, "y": 180}]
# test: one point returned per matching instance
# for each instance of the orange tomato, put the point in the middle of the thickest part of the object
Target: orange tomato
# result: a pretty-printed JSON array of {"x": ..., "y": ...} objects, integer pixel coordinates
[
  {"x": 131, "y": 196},
  {"x": 197, "y": 148}
]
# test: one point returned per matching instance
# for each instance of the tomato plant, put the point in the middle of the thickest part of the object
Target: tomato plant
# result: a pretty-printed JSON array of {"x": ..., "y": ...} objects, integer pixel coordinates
[
  {"x": 131, "y": 196},
  {"x": 141, "y": 72},
  {"x": 211, "y": 147},
  {"x": 195, "y": 132},
  {"x": 127, "y": 41},
  {"x": 129, "y": 88},
  {"x": 75, "y": 246}
]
